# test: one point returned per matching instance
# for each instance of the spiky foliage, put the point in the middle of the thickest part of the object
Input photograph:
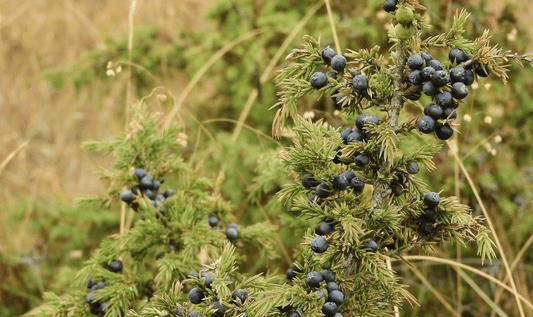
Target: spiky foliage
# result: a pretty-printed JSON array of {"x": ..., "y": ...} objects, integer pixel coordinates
[{"x": 178, "y": 226}]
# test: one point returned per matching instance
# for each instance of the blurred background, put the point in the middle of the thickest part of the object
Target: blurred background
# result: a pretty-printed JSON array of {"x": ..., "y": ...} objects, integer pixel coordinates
[{"x": 56, "y": 92}]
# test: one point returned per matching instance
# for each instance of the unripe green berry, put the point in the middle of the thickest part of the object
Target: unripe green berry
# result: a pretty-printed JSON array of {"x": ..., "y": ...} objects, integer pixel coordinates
[
  {"x": 404, "y": 33},
  {"x": 404, "y": 16}
]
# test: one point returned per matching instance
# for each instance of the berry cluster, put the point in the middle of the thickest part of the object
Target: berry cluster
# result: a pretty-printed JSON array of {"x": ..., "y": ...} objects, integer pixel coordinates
[
  {"x": 96, "y": 307},
  {"x": 197, "y": 295},
  {"x": 429, "y": 217},
  {"x": 231, "y": 231},
  {"x": 446, "y": 85},
  {"x": 147, "y": 187},
  {"x": 314, "y": 280},
  {"x": 338, "y": 63}
]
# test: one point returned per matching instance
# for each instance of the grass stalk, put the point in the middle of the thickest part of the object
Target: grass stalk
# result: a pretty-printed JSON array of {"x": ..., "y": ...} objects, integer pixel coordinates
[
  {"x": 334, "y": 31},
  {"x": 492, "y": 228},
  {"x": 467, "y": 268}
]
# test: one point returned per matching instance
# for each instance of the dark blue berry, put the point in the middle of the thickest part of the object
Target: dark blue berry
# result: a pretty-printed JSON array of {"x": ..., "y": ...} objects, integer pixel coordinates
[
  {"x": 146, "y": 182},
  {"x": 434, "y": 111},
  {"x": 324, "y": 229},
  {"x": 429, "y": 88},
  {"x": 178, "y": 312},
  {"x": 233, "y": 225},
  {"x": 213, "y": 220},
  {"x": 362, "y": 160},
  {"x": 332, "y": 74},
  {"x": 369, "y": 119},
  {"x": 240, "y": 294},
  {"x": 194, "y": 313},
  {"x": 115, "y": 266},
  {"x": 159, "y": 197},
  {"x": 457, "y": 56},
  {"x": 340, "y": 182},
  {"x": 332, "y": 286},
  {"x": 459, "y": 90},
  {"x": 444, "y": 99},
  {"x": 293, "y": 314},
  {"x": 431, "y": 199},
  {"x": 427, "y": 124},
  {"x": 427, "y": 73},
  {"x": 415, "y": 77},
  {"x": 126, "y": 196},
  {"x": 415, "y": 62},
  {"x": 136, "y": 190},
  {"x": 319, "y": 245},
  {"x": 89, "y": 299},
  {"x": 458, "y": 74},
  {"x": 219, "y": 308},
  {"x": 98, "y": 286},
  {"x": 390, "y": 5},
  {"x": 447, "y": 112},
  {"x": 139, "y": 173},
  {"x": 483, "y": 71},
  {"x": 440, "y": 78},
  {"x": 207, "y": 280},
  {"x": 427, "y": 227},
  {"x": 359, "y": 121},
  {"x": 349, "y": 175},
  {"x": 328, "y": 275},
  {"x": 430, "y": 215},
  {"x": 354, "y": 137},
  {"x": 308, "y": 181},
  {"x": 318, "y": 80},
  {"x": 336, "y": 296},
  {"x": 231, "y": 233},
  {"x": 160, "y": 255},
  {"x": 148, "y": 193},
  {"x": 169, "y": 192},
  {"x": 360, "y": 82},
  {"x": 89, "y": 282},
  {"x": 435, "y": 64},
  {"x": 413, "y": 168},
  {"x": 156, "y": 185},
  {"x": 357, "y": 184},
  {"x": 344, "y": 135},
  {"x": 371, "y": 246},
  {"x": 444, "y": 132},
  {"x": 469, "y": 77},
  {"x": 327, "y": 55},
  {"x": 329, "y": 309},
  {"x": 314, "y": 279},
  {"x": 338, "y": 62},
  {"x": 427, "y": 57},
  {"x": 313, "y": 199},
  {"x": 290, "y": 274},
  {"x": 320, "y": 295},
  {"x": 322, "y": 191}
]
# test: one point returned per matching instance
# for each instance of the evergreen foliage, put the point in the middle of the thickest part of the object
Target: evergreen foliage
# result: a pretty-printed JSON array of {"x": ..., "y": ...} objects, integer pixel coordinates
[{"x": 366, "y": 227}]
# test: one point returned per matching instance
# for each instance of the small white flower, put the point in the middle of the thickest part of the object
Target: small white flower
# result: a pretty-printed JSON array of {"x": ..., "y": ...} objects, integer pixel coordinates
[
  {"x": 497, "y": 139},
  {"x": 467, "y": 118},
  {"x": 488, "y": 119}
]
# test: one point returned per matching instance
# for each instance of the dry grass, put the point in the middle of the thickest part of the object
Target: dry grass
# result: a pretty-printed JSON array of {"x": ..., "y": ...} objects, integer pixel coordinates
[{"x": 47, "y": 34}]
